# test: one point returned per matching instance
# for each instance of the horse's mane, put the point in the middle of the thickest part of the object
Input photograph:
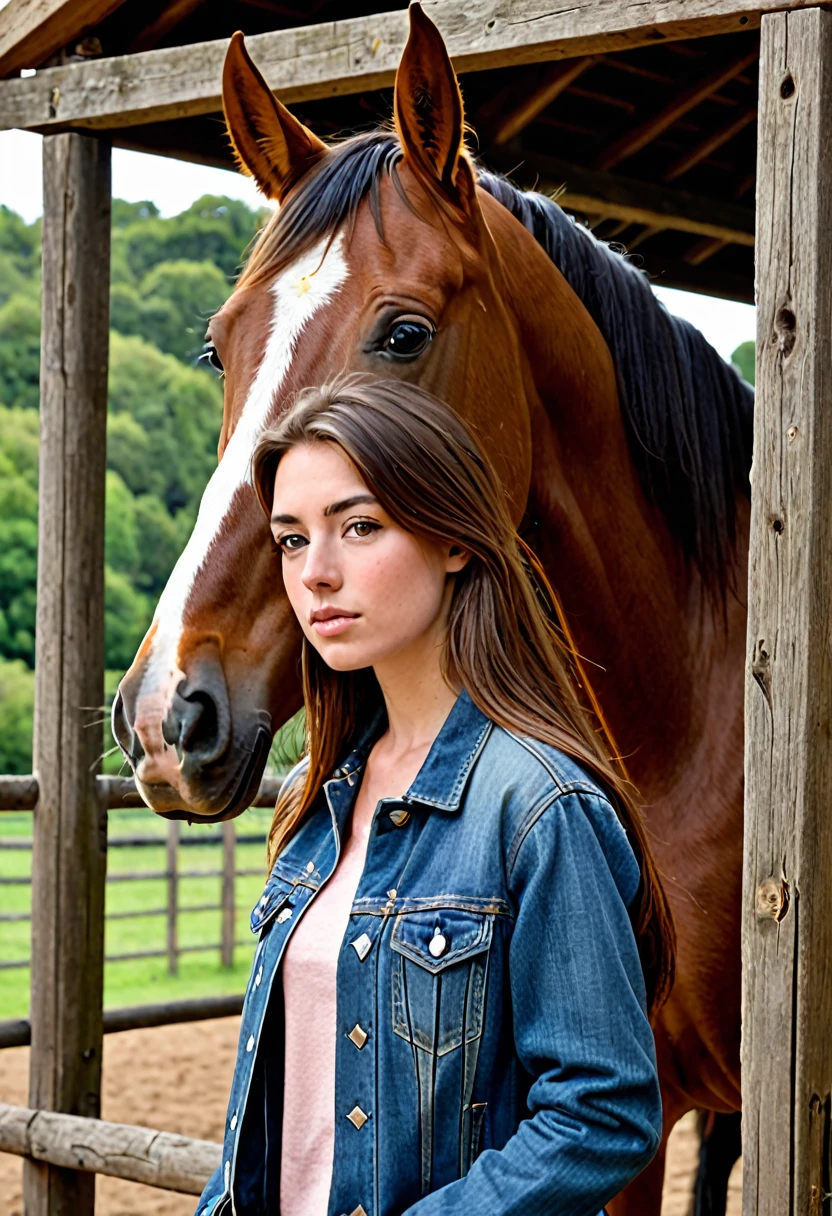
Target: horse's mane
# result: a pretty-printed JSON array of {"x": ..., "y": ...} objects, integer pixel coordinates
[{"x": 688, "y": 413}]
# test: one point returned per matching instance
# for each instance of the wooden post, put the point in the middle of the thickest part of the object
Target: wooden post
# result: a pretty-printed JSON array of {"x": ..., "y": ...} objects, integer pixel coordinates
[
  {"x": 229, "y": 862},
  {"x": 787, "y": 916},
  {"x": 70, "y": 827},
  {"x": 173, "y": 896}
]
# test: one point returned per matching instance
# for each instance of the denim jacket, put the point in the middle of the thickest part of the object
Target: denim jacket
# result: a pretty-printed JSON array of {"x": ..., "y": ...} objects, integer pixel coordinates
[{"x": 493, "y": 1054}]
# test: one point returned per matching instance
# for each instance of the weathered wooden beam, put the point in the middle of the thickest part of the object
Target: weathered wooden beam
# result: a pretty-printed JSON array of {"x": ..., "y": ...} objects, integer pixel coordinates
[
  {"x": 787, "y": 908},
  {"x": 32, "y": 30},
  {"x": 642, "y": 134},
  {"x": 340, "y": 57},
  {"x": 70, "y": 828},
  {"x": 138, "y": 1154},
  {"x": 116, "y": 793},
  {"x": 17, "y": 1032},
  {"x": 622, "y": 198},
  {"x": 709, "y": 144}
]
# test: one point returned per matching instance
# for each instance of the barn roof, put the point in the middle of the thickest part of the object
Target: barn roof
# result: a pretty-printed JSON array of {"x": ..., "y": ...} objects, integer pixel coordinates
[{"x": 655, "y": 143}]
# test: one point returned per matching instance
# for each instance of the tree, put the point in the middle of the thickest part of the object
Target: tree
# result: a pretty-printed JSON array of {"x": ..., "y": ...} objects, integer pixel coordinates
[
  {"x": 20, "y": 352},
  {"x": 743, "y": 360},
  {"x": 171, "y": 306},
  {"x": 17, "y": 707}
]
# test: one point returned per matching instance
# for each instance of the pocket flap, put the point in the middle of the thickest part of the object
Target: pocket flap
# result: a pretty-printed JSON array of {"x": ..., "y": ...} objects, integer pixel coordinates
[{"x": 455, "y": 936}]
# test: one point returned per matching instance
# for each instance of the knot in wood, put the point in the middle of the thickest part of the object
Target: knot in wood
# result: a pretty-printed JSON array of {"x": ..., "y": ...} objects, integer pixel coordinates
[
  {"x": 785, "y": 330},
  {"x": 772, "y": 901}
]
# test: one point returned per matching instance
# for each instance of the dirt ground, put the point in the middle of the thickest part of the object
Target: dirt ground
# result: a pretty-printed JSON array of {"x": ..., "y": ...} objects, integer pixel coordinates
[{"x": 177, "y": 1078}]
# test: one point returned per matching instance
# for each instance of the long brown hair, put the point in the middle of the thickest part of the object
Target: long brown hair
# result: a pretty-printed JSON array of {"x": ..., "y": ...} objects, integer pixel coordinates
[{"x": 504, "y": 645}]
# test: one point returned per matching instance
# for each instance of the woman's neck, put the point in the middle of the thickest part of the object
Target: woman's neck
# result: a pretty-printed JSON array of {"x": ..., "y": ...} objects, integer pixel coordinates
[{"x": 417, "y": 699}]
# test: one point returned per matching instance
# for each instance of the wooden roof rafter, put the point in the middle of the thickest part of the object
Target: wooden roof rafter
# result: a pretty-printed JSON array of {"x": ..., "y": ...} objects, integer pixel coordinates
[{"x": 699, "y": 90}]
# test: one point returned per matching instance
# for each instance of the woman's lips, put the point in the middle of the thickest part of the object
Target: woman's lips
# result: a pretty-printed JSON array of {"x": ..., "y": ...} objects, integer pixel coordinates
[{"x": 333, "y": 625}]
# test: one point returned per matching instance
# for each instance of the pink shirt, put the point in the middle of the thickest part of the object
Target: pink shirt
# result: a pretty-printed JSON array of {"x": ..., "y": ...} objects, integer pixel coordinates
[{"x": 309, "y": 967}]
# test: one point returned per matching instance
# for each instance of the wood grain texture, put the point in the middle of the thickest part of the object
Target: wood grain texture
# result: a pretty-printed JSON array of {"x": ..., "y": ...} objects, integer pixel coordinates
[
  {"x": 70, "y": 825},
  {"x": 356, "y": 55},
  {"x": 787, "y": 917},
  {"x": 139, "y": 1154},
  {"x": 32, "y": 30}
]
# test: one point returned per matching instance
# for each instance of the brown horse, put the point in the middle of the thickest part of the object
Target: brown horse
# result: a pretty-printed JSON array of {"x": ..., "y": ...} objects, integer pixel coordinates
[{"x": 624, "y": 445}]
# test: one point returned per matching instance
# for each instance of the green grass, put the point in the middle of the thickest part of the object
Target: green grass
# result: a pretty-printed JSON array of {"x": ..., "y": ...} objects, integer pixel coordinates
[{"x": 141, "y": 981}]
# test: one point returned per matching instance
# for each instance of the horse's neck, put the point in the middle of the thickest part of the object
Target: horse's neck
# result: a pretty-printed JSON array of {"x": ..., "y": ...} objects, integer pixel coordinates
[{"x": 654, "y": 647}]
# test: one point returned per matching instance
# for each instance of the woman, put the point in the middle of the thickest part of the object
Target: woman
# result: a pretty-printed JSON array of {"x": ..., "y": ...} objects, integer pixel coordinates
[{"x": 463, "y": 930}]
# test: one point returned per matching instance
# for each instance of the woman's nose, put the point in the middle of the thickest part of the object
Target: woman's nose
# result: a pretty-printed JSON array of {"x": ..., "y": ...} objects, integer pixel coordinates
[{"x": 319, "y": 569}]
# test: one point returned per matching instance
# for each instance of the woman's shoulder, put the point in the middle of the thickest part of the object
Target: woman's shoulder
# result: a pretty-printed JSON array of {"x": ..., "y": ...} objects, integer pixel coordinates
[
  {"x": 531, "y": 770},
  {"x": 537, "y": 787}
]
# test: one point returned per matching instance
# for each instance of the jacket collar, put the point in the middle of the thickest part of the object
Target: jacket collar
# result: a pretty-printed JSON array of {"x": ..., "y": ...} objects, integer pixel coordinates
[{"x": 441, "y": 780}]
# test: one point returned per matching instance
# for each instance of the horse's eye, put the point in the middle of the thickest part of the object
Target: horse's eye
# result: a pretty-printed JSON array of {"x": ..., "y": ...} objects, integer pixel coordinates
[
  {"x": 407, "y": 339},
  {"x": 210, "y": 353}
]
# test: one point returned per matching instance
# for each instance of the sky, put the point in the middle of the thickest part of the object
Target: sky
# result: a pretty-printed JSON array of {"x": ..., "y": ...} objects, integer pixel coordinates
[{"x": 174, "y": 184}]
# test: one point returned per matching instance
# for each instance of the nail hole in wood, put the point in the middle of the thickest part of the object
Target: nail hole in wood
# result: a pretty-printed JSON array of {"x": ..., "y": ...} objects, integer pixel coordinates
[
  {"x": 743, "y": 21},
  {"x": 787, "y": 88},
  {"x": 777, "y": 524}
]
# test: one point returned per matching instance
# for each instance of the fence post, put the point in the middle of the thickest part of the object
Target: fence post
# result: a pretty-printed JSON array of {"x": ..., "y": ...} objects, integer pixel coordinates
[
  {"x": 70, "y": 823},
  {"x": 229, "y": 861},
  {"x": 787, "y": 912},
  {"x": 173, "y": 896}
]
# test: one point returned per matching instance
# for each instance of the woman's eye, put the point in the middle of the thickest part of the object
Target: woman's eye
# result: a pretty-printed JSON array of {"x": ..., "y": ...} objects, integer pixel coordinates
[
  {"x": 407, "y": 339},
  {"x": 210, "y": 354},
  {"x": 290, "y": 544},
  {"x": 363, "y": 527}
]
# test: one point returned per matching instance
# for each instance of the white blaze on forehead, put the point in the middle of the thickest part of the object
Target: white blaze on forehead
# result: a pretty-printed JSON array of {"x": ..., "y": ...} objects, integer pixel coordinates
[{"x": 299, "y": 292}]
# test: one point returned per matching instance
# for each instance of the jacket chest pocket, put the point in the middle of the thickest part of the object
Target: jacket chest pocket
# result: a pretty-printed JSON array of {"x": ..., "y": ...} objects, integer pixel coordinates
[{"x": 440, "y": 971}]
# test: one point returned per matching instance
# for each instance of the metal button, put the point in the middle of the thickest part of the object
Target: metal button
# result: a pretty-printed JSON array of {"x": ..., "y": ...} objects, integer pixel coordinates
[
  {"x": 359, "y": 1211},
  {"x": 400, "y": 817},
  {"x": 438, "y": 945},
  {"x": 310, "y": 867},
  {"x": 357, "y": 1117},
  {"x": 358, "y": 1035},
  {"x": 250, "y": 1042},
  {"x": 283, "y": 916},
  {"x": 362, "y": 946}
]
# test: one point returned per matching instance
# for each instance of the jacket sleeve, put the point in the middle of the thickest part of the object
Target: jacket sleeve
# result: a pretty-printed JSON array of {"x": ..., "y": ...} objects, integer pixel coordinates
[{"x": 579, "y": 1023}]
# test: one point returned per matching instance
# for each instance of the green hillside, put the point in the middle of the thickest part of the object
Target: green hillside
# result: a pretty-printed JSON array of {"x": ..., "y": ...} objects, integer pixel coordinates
[{"x": 165, "y": 412}]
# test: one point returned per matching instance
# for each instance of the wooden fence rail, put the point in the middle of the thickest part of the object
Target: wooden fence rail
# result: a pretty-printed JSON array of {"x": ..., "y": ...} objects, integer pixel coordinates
[
  {"x": 120, "y": 1150},
  {"x": 16, "y": 1032},
  {"x": 21, "y": 793},
  {"x": 172, "y": 875}
]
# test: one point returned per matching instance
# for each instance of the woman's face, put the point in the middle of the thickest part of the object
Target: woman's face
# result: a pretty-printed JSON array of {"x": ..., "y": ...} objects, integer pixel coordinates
[{"x": 364, "y": 590}]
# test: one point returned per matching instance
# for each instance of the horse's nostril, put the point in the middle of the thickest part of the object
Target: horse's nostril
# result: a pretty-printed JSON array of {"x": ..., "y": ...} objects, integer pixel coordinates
[{"x": 199, "y": 722}]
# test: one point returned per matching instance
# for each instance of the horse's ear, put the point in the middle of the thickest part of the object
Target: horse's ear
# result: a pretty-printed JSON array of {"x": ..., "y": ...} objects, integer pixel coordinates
[
  {"x": 428, "y": 112},
  {"x": 270, "y": 144}
]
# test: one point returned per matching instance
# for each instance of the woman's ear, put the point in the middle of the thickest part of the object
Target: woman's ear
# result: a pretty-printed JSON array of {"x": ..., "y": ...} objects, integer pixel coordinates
[
  {"x": 457, "y": 558},
  {"x": 270, "y": 144},
  {"x": 428, "y": 113}
]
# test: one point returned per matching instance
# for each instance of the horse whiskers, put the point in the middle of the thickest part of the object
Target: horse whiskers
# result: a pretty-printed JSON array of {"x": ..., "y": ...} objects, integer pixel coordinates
[{"x": 104, "y": 756}]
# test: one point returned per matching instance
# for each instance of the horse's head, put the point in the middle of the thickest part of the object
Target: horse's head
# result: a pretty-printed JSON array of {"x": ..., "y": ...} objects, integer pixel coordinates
[{"x": 383, "y": 256}]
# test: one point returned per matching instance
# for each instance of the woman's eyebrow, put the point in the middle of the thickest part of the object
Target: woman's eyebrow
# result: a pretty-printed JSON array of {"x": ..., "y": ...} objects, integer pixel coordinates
[{"x": 334, "y": 508}]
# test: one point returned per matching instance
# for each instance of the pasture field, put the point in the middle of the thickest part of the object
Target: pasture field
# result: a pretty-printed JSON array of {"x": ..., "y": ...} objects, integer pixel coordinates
[{"x": 142, "y": 981}]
